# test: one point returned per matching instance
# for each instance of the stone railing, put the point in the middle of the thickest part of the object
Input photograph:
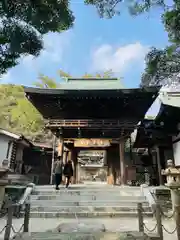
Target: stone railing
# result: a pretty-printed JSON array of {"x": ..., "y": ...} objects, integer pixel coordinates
[
  {"x": 24, "y": 199},
  {"x": 9, "y": 229}
]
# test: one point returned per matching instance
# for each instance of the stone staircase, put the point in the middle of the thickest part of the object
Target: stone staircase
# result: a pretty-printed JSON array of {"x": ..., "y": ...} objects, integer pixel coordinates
[
  {"x": 87, "y": 201},
  {"x": 87, "y": 236}
]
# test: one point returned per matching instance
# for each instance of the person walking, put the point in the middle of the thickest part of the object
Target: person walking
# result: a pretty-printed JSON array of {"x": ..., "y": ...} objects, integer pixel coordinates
[
  {"x": 68, "y": 172},
  {"x": 58, "y": 170}
]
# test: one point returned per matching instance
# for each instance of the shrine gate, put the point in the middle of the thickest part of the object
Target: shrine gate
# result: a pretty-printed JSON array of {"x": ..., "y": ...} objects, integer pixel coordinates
[{"x": 93, "y": 109}]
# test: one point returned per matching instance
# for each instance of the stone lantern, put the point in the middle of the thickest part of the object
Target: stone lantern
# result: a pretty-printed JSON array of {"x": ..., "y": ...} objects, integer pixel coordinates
[
  {"x": 172, "y": 175},
  {"x": 173, "y": 182}
]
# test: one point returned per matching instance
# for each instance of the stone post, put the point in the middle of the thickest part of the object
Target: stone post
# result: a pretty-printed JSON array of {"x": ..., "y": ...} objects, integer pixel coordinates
[
  {"x": 26, "y": 217},
  {"x": 3, "y": 183},
  {"x": 9, "y": 221},
  {"x": 173, "y": 183}
]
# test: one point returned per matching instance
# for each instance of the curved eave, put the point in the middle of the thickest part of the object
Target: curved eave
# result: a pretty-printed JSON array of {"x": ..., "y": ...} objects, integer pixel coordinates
[
  {"x": 128, "y": 91},
  {"x": 168, "y": 114},
  {"x": 82, "y": 104}
]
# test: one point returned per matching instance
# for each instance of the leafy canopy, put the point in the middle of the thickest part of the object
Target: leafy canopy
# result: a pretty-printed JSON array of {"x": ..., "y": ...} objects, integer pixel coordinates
[
  {"x": 161, "y": 65},
  {"x": 23, "y": 24}
]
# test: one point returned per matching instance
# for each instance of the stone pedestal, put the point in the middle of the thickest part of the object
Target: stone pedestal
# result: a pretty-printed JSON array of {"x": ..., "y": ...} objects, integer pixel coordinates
[{"x": 173, "y": 183}]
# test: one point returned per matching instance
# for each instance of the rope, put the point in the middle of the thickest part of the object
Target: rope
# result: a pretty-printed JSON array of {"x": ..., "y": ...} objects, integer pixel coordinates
[
  {"x": 167, "y": 216},
  {"x": 3, "y": 229},
  {"x": 172, "y": 232},
  {"x": 150, "y": 230},
  {"x": 17, "y": 233}
]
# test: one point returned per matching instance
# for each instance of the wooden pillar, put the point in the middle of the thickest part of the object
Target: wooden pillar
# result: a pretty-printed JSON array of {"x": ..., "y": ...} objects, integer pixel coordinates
[
  {"x": 60, "y": 150},
  {"x": 74, "y": 160},
  {"x": 61, "y": 147},
  {"x": 122, "y": 163},
  {"x": 161, "y": 182}
]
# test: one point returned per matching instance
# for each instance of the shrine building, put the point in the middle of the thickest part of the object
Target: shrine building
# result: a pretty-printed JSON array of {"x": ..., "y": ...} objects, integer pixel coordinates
[
  {"x": 161, "y": 136},
  {"x": 86, "y": 114}
]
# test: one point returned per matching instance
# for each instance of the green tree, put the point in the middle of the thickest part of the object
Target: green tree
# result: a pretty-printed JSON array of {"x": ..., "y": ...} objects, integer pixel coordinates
[
  {"x": 161, "y": 65},
  {"x": 109, "y": 8},
  {"x": 23, "y": 24},
  {"x": 17, "y": 113},
  {"x": 46, "y": 82}
]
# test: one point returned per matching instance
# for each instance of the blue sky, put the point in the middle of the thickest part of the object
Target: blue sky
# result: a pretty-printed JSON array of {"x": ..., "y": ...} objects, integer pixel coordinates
[{"x": 95, "y": 44}]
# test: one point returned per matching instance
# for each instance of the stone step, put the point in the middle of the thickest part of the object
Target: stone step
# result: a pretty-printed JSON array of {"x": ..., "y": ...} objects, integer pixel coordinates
[
  {"x": 88, "y": 236},
  {"x": 66, "y": 196},
  {"x": 87, "y": 203},
  {"x": 96, "y": 185},
  {"x": 73, "y": 192},
  {"x": 100, "y": 188},
  {"x": 87, "y": 209},
  {"x": 75, "y": 215},
  {"x": 90, "y": 188}
]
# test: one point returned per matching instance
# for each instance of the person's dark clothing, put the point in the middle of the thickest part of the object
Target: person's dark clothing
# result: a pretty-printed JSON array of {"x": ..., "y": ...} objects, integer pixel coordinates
[
  {"x": 58, "y": 179},
  {"x": 68, "y": 179},
  {"x": 58, "y": 169},
  {"x": 68, "y": 172}
]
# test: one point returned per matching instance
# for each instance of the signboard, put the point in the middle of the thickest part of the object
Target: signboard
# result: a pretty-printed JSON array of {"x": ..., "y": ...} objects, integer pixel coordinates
[{"x": 92, "y": 143}]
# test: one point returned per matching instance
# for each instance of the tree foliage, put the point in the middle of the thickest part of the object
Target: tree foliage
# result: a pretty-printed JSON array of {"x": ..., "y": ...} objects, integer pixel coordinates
[
  {"x": 109, "y": 8},
  {"x": 17, "y": 113},
  {"x": 24, "y": 22},
  {"x": 46, "y": 82},
  {"x": 161, "y": 65}
]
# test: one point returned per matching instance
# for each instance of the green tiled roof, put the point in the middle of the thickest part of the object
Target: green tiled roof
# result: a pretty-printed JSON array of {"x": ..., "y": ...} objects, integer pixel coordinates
[{"x": 91, "y": 83}]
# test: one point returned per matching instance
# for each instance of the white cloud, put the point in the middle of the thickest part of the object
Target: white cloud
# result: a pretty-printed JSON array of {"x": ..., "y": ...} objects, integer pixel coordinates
[
  {"x": 55, "y": 46},
  {"x": 119, "y": 58},
  {"x": 5, "y": 77}
]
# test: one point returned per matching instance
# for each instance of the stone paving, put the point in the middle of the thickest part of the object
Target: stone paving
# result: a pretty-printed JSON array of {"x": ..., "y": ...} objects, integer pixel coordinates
[{"x": 121, "y": 224}]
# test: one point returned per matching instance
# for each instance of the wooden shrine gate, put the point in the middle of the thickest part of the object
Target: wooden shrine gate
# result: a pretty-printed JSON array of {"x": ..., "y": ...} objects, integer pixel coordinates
[{"x": 93, "y": 109}]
